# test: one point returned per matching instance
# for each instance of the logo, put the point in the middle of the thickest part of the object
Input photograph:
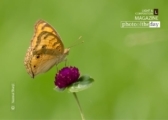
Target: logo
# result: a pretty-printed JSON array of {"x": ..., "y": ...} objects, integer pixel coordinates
[
  {"x": 146, "y": 18},
  {"x": 154, "y": 24},
  {"x": 155, "y": 12}
]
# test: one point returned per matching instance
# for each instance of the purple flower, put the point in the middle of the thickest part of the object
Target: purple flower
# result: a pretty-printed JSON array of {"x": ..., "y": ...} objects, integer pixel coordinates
[{"x": 66, "y": 76}]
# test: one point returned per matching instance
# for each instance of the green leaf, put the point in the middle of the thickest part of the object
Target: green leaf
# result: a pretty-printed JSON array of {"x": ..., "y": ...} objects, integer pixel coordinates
[
  {"x": 59, "y": 89},
  {"x": 83, "y": 83}
]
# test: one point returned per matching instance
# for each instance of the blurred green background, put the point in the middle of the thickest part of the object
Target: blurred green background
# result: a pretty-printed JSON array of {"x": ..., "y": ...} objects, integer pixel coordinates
[{"x": 130, "y": 66}]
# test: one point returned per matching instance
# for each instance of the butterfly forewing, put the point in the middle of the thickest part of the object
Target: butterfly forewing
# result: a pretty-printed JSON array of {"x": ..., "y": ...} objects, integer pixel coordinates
[{"x": 46, "y": 37}]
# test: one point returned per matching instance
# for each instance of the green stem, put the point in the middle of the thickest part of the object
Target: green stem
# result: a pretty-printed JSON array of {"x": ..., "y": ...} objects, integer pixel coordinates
[{"x": 80, "y": 109}]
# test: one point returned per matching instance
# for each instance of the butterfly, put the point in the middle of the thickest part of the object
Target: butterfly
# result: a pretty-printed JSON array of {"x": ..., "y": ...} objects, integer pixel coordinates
[{"x": 46, "y": 50}]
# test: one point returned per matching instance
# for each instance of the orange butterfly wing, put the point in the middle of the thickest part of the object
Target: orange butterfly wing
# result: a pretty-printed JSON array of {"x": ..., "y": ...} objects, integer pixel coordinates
[{"x": 45, "y": 51}]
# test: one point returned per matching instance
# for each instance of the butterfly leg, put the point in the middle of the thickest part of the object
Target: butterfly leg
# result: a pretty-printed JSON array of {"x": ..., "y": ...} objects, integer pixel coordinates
[
  {"x": 66, "y": 63},
  {"x": 57, "y": 68}
]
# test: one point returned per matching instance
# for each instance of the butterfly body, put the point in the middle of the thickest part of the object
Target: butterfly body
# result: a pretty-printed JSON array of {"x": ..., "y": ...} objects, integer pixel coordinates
[{"x": 45, "y": 51}]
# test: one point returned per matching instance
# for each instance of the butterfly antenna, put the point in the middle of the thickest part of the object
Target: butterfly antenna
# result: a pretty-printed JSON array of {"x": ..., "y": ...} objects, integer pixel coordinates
[{"x": 77, "y": 42}]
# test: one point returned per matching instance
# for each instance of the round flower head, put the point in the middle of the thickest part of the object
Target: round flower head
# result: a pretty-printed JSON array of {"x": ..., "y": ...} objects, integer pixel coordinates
[{"x": 66, "y": 76}]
